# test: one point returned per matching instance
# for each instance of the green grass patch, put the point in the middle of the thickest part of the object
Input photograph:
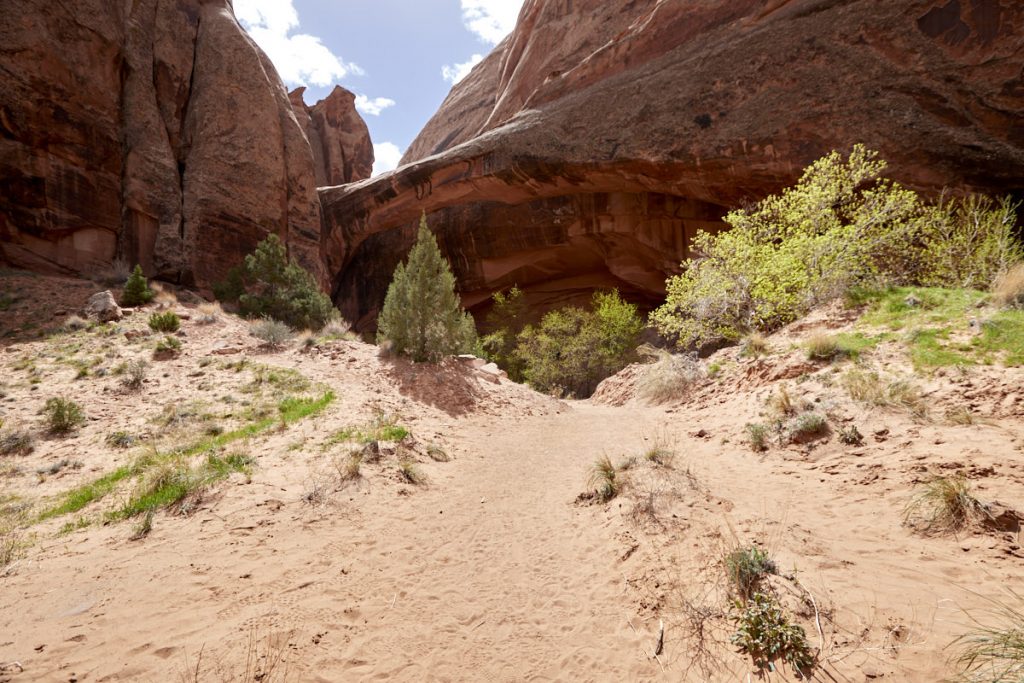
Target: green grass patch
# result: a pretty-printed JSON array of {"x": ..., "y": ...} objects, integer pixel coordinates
[
  {"x": 381, "y": 428},
  {"x": 908, "y": 307},
  {"x": 1004, "y": 333},
  {"x": 930, "y": 349},
  {"x": 77, "y": 498}
]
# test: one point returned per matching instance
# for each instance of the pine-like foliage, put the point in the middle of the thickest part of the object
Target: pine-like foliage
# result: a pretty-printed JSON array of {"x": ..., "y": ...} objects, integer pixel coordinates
[
  {"x": 277, "y": 287},
  {"x": 136, "y": 289},
  {"x": 422, "y": 317}
]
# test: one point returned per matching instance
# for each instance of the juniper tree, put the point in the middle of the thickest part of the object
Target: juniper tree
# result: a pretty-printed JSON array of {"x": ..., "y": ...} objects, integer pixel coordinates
[
  {"x": 136, "y": 289},
  {"x": 422, "y": 317}
]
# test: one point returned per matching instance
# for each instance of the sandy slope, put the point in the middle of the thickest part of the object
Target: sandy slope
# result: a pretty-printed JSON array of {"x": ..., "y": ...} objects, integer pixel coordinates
[{"x": 493, "y": 570}]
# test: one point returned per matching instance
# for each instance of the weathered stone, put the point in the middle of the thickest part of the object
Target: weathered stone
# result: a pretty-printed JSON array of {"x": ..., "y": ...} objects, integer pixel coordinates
[
  {"x": 588, "y": 148},
  {"x": 338, "y": 136},
  {"x": 102, "y": 307}
]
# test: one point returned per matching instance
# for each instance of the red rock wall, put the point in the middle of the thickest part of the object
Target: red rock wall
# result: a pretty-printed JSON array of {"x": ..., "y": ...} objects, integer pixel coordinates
[
  {"x": 154, "y": 131},
  {"x": 599, "y": 135},
  {"x": 342, "y": 150}
]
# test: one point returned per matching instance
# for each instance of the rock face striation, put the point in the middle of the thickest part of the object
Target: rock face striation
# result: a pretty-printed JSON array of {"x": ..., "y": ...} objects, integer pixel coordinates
[
  {"x": 155, "y": 131},
  {"x": 338, "y": 136},
  {"x": 587, "y": 149}
]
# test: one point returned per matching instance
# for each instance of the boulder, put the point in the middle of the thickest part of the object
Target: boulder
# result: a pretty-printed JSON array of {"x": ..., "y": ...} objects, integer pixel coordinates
[
  {"x": 592, "y": 144},
  {"x": 102, "y": 307}
]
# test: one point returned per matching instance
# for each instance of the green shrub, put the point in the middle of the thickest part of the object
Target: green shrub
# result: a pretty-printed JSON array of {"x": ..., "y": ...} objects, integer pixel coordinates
[
  {"x": 842, "y": 225},
  {"x": 269, "y": 284},
  {"x": 136, "y": 289},
  {"x": 506, "y": 320},
  {"x": 806, "y": 427},
  {"x": 63, "y": 415},
  {"x": 573, "y": 349},
  {"x": 851, "y": 436},
  {"x": 422, "y": 317},
  {"x": 273, "y": 333},
  {"x": 134, "y": 374},
  {"x": 168, "y": 347},
  {"x": 764, "y": 632},
  {"x": 167, "y": 321},
  {"x": 757, "y": 435},
  {"x": 746, "y": 568}
]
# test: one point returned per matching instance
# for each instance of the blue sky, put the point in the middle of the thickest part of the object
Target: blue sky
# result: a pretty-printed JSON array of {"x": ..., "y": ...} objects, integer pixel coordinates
[{"x": 400, "y": 57}]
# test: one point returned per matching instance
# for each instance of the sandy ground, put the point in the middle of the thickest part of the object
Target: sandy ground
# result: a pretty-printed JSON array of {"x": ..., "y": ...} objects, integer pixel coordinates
[{"x": 493, "y": 568}]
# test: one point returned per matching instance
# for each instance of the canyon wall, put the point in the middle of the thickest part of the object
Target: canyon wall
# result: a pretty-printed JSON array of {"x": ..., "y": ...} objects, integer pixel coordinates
[{"x": 595, "y": 140}]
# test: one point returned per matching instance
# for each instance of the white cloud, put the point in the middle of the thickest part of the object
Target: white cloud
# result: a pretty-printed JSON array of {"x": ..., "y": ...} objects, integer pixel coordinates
[
  {"x": 300, "y": 59},
  {"x": 491, "y": 20},
  {"x": 373, "y": 107},
  {"x": 455, "y": 73},
  {"x": 386, "y": 157}
]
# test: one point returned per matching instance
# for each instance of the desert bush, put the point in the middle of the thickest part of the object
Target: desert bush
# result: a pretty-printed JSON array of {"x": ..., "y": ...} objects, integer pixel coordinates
[
  {"x": 75, "y": 323},
  {"x": 273, "y": 333},
  {"x": 754, "y": 345},
  {"x": 746, "y": 568},
  {"x": 764, "y": 631},
  {"x": 603, "y": 479},
  {"x": 506, "y": 320},
  {"x": 842, "y": 225},
  {"x": 62, "y": 415},
  {"x": 943, "y": 505},
  {"x": 806, "y": 427},
  {"x": 1008, "y": 289},
  {"x": 338, "y": 328},
  {"x": 168, "y": 321},
  {"x": 168, "y": 347},
  {"x": 136, "y": 289},
  {"x": 669, "y": 377},
  {"x": 134, "y": 374},
  {"x": 757, "y": 436},
  {"x": 117, "y": 273},
  {"x": 268, "y": 284},
  {"x": 121, "y": 439},
  {"x": 851, "y": 436},
  {"x": 422, "y": 317},
  {"x": 822, "y": 347},
  {"x": 209, "y": 313},
  {"x": 993, "y": 651},
  {"x": 16, "y": 441},
  {"x": 573, "y": 349}
]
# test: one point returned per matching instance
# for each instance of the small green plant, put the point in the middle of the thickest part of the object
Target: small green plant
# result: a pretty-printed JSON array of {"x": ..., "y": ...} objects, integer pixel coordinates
[
  {"x": 993, "y": 652},
  {"x": 943, "y": 505},
  {"x": 764, "y": 631},
  {"x": 851, "y": 436},
  {"x": 746, "y": 568},
  {"x": 168, "y": 347},
  {"x": 409, "y": 471},
  {"x": 168, "y": 321},
  {"x": 422, "y": 317},
  {"x": 603, "y": 479},
  {"x": 136, "y": 289},
  {"x": 273, "y": 333},
  {"x": 714, "y": 370},
  {"x": 134, "y": 374},
  {"x": 62, "y": 415},
  {"x": 659, "y": 454},
  {"x": 757, "y": 436},
  {"x": 806, "y": 427},
  {"x": 16, "y": 441}
]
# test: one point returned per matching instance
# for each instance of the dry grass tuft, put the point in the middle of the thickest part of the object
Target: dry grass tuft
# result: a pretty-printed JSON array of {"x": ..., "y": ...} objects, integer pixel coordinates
[
  {"x": 273, "y": 333},
  {"x": 755, "y": 345},
  {"x": 869, "y": 388},
  {"x": 410, "y": 472},
  {"x": 209, "y": 313},
  {"x": 348, "y": 467},
  {"x": 993, "y": 652},
  {"x": 669, "y": 377},
  {"x": 943, "y": 505},
  {"x": 603, "y": 479},
  {"x": 781, "y": 404},
  {"x": 1008, "y": 290}
]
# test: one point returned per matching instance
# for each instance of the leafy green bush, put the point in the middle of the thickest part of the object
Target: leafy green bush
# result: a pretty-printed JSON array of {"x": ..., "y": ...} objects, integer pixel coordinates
[
  {"x": 63, "y": 415},
  {"x": 270, "y": 285},
  {"x": 422, "y": 317},
  {"x": 842, "y": 225},
  {"x": 164, "y": 322},
  {"x": 505, "y": 320},
  {"x": 573, "y": 349},
  {"x": 136, "y": 289},
  {"x": 168, "y": 347},
  {"x": 764, "y": 632}
]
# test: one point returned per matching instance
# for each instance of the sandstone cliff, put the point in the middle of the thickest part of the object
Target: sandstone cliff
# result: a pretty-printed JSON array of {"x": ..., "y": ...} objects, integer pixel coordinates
[
  {"x": 594, "y": 141},
  {"x": 155, "y": 131},
  {"x": 338, "y": 136}
]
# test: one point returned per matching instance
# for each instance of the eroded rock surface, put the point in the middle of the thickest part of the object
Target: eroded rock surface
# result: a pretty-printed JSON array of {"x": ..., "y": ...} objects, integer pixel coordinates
[
  {"x": 338, "y": 136},
  {"x": 593, "y": 142},
  {"x": 155, "y": 131}
]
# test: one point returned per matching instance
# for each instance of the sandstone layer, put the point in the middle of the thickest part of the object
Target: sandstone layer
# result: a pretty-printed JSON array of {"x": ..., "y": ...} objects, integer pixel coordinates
[
  {"x": 154, "y": 131},
  {"x": 338, "y": 136},
  {"x": 590, "y": 145}
]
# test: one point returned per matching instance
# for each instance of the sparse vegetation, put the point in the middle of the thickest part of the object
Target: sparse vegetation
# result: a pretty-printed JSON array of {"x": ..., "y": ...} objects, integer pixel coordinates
[
  {"x": 993, "y": 651},
  {"x": 409, "y": 471},
  {"x": 16, "y": 441},
  {"x": 134, "y": 374},
  {"x": 746, "y": 568},
  {"x": 422, "y": 317},
  {"x": 209, "y": 313},
  {"x": 62, "y": 416},
  {"x": 757, "y": 436},
  {"x": 268, "y": 284},
  {"x": 506, "y": 320},
  {"x": 273, "y": 333},
  {"x": 603, "y": 479},
  {"x": 806, "y": 427},
  {"x": 943, "y": 505},
  {"x": 869, "y": 388},
  {"x": 764, "y": 631},
  {"x": 437, "y": 454},
  {"x": 1008, "y": 289},
  {"x": 168, "y": 347},
  {"x": 382, "y": 427},
  {"x": 121, "y": 439},
  {"x": 136, "y": 289},
  {"x": 669, "y": 377},
  {"x": 754, "y": 345},
  {"x": 167, "y": 321},
  {"x": 573, "y": 349},
  {"x": 851, "y": 436},
  {"x": 348, "y": 467},
  {"x": 75, "y": 323}
]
